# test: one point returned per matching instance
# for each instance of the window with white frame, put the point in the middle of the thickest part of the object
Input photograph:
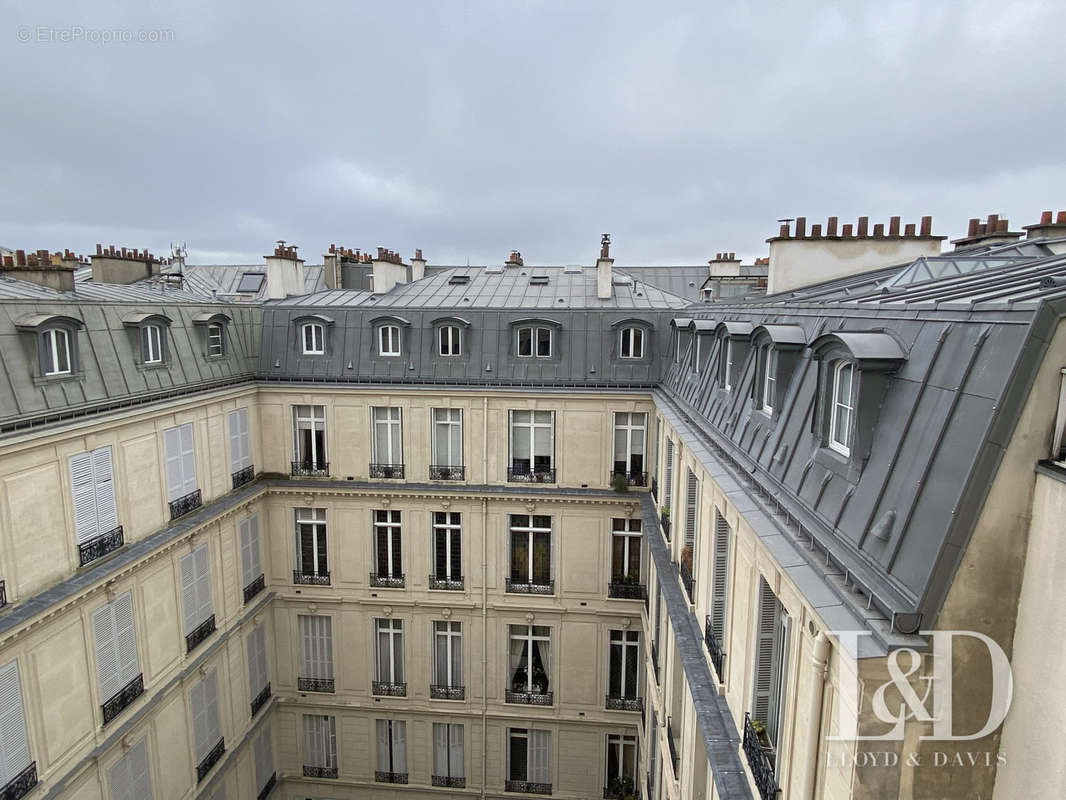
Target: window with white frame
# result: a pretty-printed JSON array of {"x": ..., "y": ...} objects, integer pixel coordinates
[
  {"x": 531, "y": 550},
  {"x": 768, "y": 362},
  {"x": 529, "y": 754},
  {"x": 389, "y": 340},
  {"x": 623, "y": 668},
  {"x": 529, "y": 657},
  {"x": 448, "y": 760},
  {"x": 771, "y": 662},
  {"x": 309, "y": 437},
  {"x": 533, "y": 341},
  {"x": 620, "y": 779},
  {"x": 180, "y": 453},
  {"x": 668, "y": 474},
  {"x": 388, "y": 435},
  {"x": 264, "y": 760},
  {"x": 196, "y": 588},
  {"x": 448, "y": 437},
  {"x": 388, "y": 546},
  {"x": 14, "y": 741},
  {"x": 313, "y": 337},
  {"x": 630, "y": 435},
  {"x": 207, "y": 730},
  {"x": 843, "y": 407},
  {"x": 532, "y": 442},
  {"x": 694, "y": 352},
  {"x": 447, "y": 545},
  {"x": 258, "y": 676},
  {"x": 311, "y": 552},
  {"x": 320, "y": 738},
  {"x": 722, "y": 546},
  {"x": 216, "y": 340},
  {"x": 677, "y": 346},
  {"x": 316, "y": 652},
  {"x": 240, "y": 445},
  {"x": 389, "y": 650},
  {"x": 152, "y": 338},
  {"x": 447, "y": 654},
  {"x": 631, "y": 343},
  {"x": 92, "y": 488},
  {"x": 450, "y": 340},
  {"x": 129, "y": 777},
  {"x": 725, "y": 363},
  {"x": 392, "y": 749},
  {"x": 115, "y": 646},
  {"x": 251, "y": 567},
  {"x": 56, "y": 360},
  {"x": 625, "y": 550}
]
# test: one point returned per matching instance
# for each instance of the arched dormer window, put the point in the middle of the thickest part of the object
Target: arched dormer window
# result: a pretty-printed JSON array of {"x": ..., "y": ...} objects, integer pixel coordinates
[
  {"x": 389, "y": 340},
  {"x": 56, "y": 343},
  {"x": 777, "y": 348},
  {"x": 633, "y": 340},
  {"x": 733, "y": 339},
  {"x": 536, "y": 338},
  {"x": 449, "y": 337},
  {"x": 56, "y": 357},
  {"x": 680, "y": 325},
  {"x": 389, "y": 337},
  {"x": 313, "y": 334},
  {"x": 150, "y": 337},
  {"x": 214, "y": 326},
  {"x": 842, "y": 406}
]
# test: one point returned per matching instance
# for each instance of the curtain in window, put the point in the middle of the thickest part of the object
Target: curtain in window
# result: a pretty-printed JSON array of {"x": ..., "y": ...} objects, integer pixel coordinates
[{"x": 540, "y": 757}]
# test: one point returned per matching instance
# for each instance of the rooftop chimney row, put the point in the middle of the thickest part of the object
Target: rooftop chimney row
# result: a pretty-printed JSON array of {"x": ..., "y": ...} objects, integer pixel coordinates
[
  {"x": 42, "y": 259},
  {"x": 389, "y": 256},
  {"x": 861, "y": 230},
  {"x": 725, "y": 257},
  {"x": 130, "y": 254},
  {"x": 286, "y": 251},
  {"x": 348, "y": 255}
]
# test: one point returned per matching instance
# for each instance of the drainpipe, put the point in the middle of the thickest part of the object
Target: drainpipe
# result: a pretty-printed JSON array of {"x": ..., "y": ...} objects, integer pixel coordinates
[
  {"x": 484, "y": 641},
  {"x": 820, "y": 664}
]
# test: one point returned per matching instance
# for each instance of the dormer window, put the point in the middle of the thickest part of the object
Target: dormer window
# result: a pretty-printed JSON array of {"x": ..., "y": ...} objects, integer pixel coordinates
[
  {"x": 534, "y": 342},
  {"x": 388, "y": 340},
  {"x": 450, "y": 340},
  {"x": 631, "y": 343},
  {"x": 777, "y": 350},
  {"x": 768, "y": 366},
  {"x": 725, "y": 365},
  {"x": 213, "y": 332},
  {"x": 843, "y": 406},
  {"x": 55, "y": 353},
  {"x": 152, "y": 344},
  {"x": 216, "y": 340},
  {"x": 55, "y": 338},
  {"x": 313, "y": 336},
  {"x": 734, "y": 343},
  {"x": 148, "y": 338}
]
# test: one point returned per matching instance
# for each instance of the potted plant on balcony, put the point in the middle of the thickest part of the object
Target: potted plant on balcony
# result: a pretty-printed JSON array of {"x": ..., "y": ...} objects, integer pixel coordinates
[
  {"x": 686, "y": 558},
  {"x": 619, "y": 482},
  {"x": 621, "y": 789},
  {"x": 760, "y": 733}
]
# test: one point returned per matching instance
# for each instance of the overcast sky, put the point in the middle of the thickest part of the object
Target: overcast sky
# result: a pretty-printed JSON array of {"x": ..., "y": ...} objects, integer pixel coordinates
[{"x": 471, "y": 128}]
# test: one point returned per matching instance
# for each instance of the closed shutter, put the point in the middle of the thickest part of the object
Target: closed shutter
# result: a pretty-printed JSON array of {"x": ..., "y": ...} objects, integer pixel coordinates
[
  {"x": 691, "y": 508},
  {"x": 125, "y": 638},
  {"x": 188, "y": 459},
  {"x": 172, "y": 450},
  {"x": 196, "y": 588},
  {"x": 540, "y": 756},
  {"x": 240, "y": 454},
  {"x": 317, "y": 646},
  {"x": 384, "y": 764},
  {"x": 83, "y": 491},
  {"x": 668, "y": 481},
  {"x": 214, "y": 724},
  {"x": 764, "y": 653},
  {"x": 106, "y": 652},
  {"x": 257, "y": 666},
  {"x": 129, "y": 776},
  {"x": 313, "y": 740},
  {"x": 206, "y": 726},
  {"x": 440, "y": 749},
  {"x": 456, "y": 761},
  {"x": 399, "y": 746},
  {"x": 720, "y": 576},
  {"x": 250, "y": 564},
  {"x": 103, "y": 476},
  {"x": 203, "y": 583},
  {"x": 14, "y": 743},
  {"x": 264, "y": 762}
]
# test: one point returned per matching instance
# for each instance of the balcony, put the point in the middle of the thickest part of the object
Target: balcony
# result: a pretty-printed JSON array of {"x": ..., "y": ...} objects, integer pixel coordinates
[
  {"x": 383, "y": 581},
  {"x": 390, "y": 777},
  {"x": 310, "y": 578},
  {"x": 389, "y": 689},
  {"x": 664, "y": 520},
  {"x": 199, "y": 633},
  {"x": 439, "y": 692},
  {"x": 760, "y": 760},
  {"x": 210, "y": 760},
  {"x": 623, "y": 588},
  {"x": 122, "y": 699},
  {"x": 675, "y": 761},
  {"x": 686, "y": 580},
  {"x": 388, "y": 471},
  {"x": 100, "y": 546},
  {"x": 21, "y": 785},
  {"x": 183, "y": 505},
  {"x": 621, "y": 790},
  {"x": 319, "y": 772},
  {"x": 268, "y": 787},
  {"x": 527, "y": 475},
  {"x": 440, "y": 472},
  {"x": 310, "y": 469},
  {"x": 254, "y": 588},
  {"x": 448, "y": 782},
  {"x": 261, "y": 699},
  {"x": 655, "y": 661},
  {"x": 323, "y": 685},
  {"x": 527, "y": 787},
  {"x": 243, "y": 476},
  {"x": 528, "y": 698},
  {"x": 714, "y": 647},
  {"x": 639, "y": 479},
  {"x": 447, "y": 584},
  {"x": 530, "y": 587},
  {"x": 625, "y": 703}
]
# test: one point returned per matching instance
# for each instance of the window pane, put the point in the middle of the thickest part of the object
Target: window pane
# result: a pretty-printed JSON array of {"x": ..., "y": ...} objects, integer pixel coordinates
[
  {"x": 525, "y": 341},
  {"x": 544, "y": 341}
]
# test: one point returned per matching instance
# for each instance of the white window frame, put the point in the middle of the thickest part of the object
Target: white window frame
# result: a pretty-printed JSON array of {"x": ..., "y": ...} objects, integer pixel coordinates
[
  {"x": 620, "y": 641},
  {"x": 390, "y": 630},
  {"x": 529, "y": 529},
  {"x": 92, "y": 489},
  {"x": 313, "y": 338},
  {"x": 391, "y": 746},
  {"x": 620, "y": 742},
  {"x": 152, "y": 343},
  {"x": 530, "y": 635},
  {"x": 57, "y": 343},
  {"x": 629, "y": 531},
  {"x": 449, "y": 757},
  {"x": 391, "y": 419},
  {"x": 320, "y": 741},
  {"x": 725, "y": 364},
  {"x": 528, "y": 429},
  {"x": 545, "y": 741},
  {"x": 769, "y": 378},
  {"x": 390, "y": 528},
  {"x": 635, "y": 427},
  {"x": 841, "y": 440},
  {"x": 315, "y": 519},
  {"x": 115, "y": 645},
  {"x": 449, "y": 341},
  {"x": 389, "y": 341},
  {"x": 631, "y": 343},
  {"x": 197, "y": 606},
  {"x": 180, "y": 465},
  {"x": 216, "y": 340},
  {"x": 449, "y": 419},
  {"x": 535, "y": 332},
  {"x": 309, "y": 419},
  {"x": 696, "y": 352},
  {"x": 452, "y": 528},
  {"x": 448, "y": 637},
  {"x": 316, "y": 646}
]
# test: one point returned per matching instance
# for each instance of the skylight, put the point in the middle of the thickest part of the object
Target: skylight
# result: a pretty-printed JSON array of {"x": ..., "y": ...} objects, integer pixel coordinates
[
  {"x": 251, "y": 282},
  {"x": 931, "y": 268}
]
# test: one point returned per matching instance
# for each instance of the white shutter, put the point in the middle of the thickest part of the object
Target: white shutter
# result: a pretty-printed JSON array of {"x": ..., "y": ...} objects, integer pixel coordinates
[
  {"x": 313, "y": 740},
  {"x": 172, "y": 449},
  {"x": 129, "y": 776},
  {"x": 235, "y": 453},
  {"x": 383, "y": 745},
  {"x": 257, "y": 668},
  {"x": 456, "y": 761},
  {"x": 103, "y": 476},
  {"x": 107, "y": 659},
  {"x": 83, "y": 492},
  {"x": 399, "y": 746},
  {"x": 14, "y": 743},
  {"x": 264, "y": 763},
  {"x": 188, "y": 459},
  {"x": 197, "y": 700},
  {"x": 539, "y": 767},
  {"x": 440, "y": 749},
  {"x": 125, "y": 638},
  {"x": 214, "y": 725},
  {"x": 317, "y": 646},
  {"x": 188, "y": 591},
  {"x": 720, "y": 577},
  {"x": 764, "y": 652},
  {"x": 668, "y": 480},
  {"x": 250, "y": 564},
  {"x": 203, "y": 584},
  {"x": 691, "y": 507}
]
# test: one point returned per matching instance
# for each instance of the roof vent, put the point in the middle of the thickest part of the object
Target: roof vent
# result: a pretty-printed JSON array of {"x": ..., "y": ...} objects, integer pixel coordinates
[
  {"x": 494, "y": 269},
  {"x": 538, "y": 280},
  {"x": 623, "y": 280},
  {"x": 573, "y": 269},
  {"x": 458, "y": 280}
]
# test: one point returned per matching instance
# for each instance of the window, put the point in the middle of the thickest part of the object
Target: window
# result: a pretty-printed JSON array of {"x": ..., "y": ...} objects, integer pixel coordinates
[
  {"x": 450, "y": 340},
  {"x": 448, "y": 655},
  {"x": 207, "y": 730},
  {"x": 531, "y": 554},
  {"x": 251, "y": 568},
  {"x": 534, "y": 342},
  {"x": 621, "y": 777},
  {"x": 448, "y": 761},
  {"x": 311, "y": 560},
  {"x": 92, "y": 489},
  {"x": 668, "y": 474},
  {"x": 316, "y": 653},
  {"x": 768, "y": 360},
  {"x": 388, "y": 436},
  {"x": 719, "y": 592},
  {"x": 631, "y": 343},
  {"x": 309, "y": 438},
  {"x": 264, "y": 762},
  {"x": 313, "y": 336},
  {"x": 129, "y": 777},
  {"x": 771, "y": 662},
  {"x": 152, "y": 344},
  {"x": 725, "y": 363},
  {"x": 528, "y": 759},
  {"x": 388, "y": 551},
  {"x": 240, "y": 446},
  {"x": 532, "y": 445},
  {"x": 390, "y": 651},
  {"x": 624, "y": 665},
  {"x": 843, "y": 406},
  {"x": 677, "y": 346},
  {"x": 115, "y": 645},
  {"x": 389, "y": 340},
  {"x": 178, "y": 444},
  {"x": 447, "y": 546},
  {"x": 14, "y": 742},
  {"x": 694, "y": 351},
  {"x": 258, "y": 677},
  {"x": 216, "y": 340},
  {"x": 320, "y": 736},
  {"x": 196, "y": 595},
  {"x": 625, "y": 550},
  {"x": 530, "y": 662},
  {"x": 629, "y": 437},
  {"x": 56, "y": 351},
  {"x": 447, "y": 438},
  {"x": 251, "y": 282},
  {"x": 692, "y": 500},
  {"x": 392, "y": 751}
]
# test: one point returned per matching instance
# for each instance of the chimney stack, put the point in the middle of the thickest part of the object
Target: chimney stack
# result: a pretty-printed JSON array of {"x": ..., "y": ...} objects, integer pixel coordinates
[
  {"x": 124, "y": 265},
  {"x": 981, "y": 234},
  {"x": 389, "y": 270},
  {"x": 418, "y": 265},
  {"x": 51, "y": 270},
  {"x": 514, "y": 260},
  {"x": 1051, "y": 226},
  {"x": 605, "y": 269},
  {"x": 284, "y": 272}
]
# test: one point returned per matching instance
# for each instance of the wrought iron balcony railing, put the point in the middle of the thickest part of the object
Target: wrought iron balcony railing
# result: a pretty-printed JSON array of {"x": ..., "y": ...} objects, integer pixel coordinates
[
  {"x": 310, "y": 469},
  {"x": 261, "y": 699},
  {"x": 255, "y": 587},
  {"x": 199, "y": 633},
  {"x": 528, "y": 698},
  {"x": 620, "y": 793},
  {"x": 760, "y": 760},
  {"x": 442, "y": 472},
  {"x": 383, "y": 581},
  {"x": 622, "y": 588},
  {"x": 100, "y": 546},
  {"x": 453, "y": 584},
  {"x": 319, "y": 772},
  {"x": 714, "y": 647},
  {"x": 441, "y": 692},
  {"x": 632, "y": 478},
  {"x": 390, "y": 777},
  {"x": 389, "y": 689},
  {"x": 243, "y": 476},
  {"x": 686, "y": 580},
  {"x": 390, "y": 471},
  {"x": 528, "y": 475},
  {"x": 664, "y": 520},
  {"x": 21, "y": 785},
  {"x": 625, "y": 703},
  {"x": 448, "y": 781},
  {"x": 268, "y": 787},
  {"x": 311, "y": 578},
  {"x": 675, "y": 761},
  {"x": 210, "y": 760},
  {"x": 530, "y": 587},
  {"x": 528, "y": 787},
  {"x": 122, "y": 699},
  {"x": 325, "y": 685},
  {"x": 183, "y": 505}
]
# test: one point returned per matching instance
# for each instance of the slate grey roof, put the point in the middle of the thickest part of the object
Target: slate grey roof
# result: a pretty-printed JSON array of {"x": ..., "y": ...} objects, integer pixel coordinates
[{"x": 214, "y": 281}]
